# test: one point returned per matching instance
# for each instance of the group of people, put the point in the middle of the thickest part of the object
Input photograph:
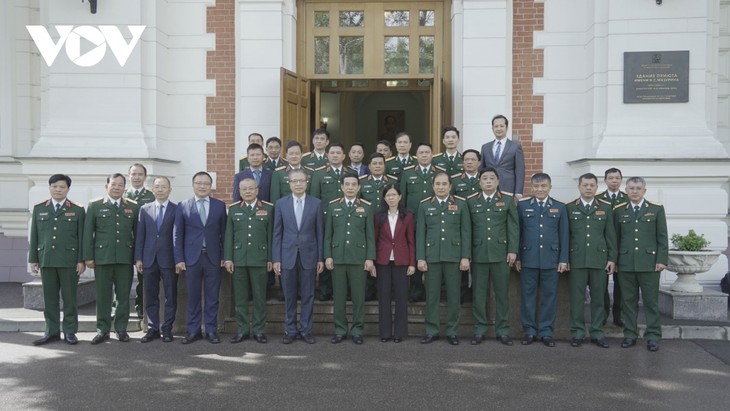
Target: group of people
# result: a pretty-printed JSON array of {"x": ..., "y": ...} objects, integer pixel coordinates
[{"x": 395, "y": 229}]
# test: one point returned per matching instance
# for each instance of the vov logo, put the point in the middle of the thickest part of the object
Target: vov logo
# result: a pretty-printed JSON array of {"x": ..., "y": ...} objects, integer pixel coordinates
[{"x": 99, "y": 36}]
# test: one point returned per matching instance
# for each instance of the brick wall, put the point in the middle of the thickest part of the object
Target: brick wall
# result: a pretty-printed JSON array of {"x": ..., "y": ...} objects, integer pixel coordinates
[
  {"x": 221, "y": 108},
  {"x": 527, "y": 64}
]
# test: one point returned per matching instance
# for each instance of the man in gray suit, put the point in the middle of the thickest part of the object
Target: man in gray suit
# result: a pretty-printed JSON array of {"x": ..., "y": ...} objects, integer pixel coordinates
[
  {"x": 505, "y": 156},
  {"x": 297, "y": 253}
]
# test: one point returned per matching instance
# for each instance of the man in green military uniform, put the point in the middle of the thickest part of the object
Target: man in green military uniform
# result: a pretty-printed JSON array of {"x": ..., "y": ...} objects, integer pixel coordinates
[
  {"x": 56, "y": 230},
  {"x": 349, "y": 251},
  {"x": 137, "y": 175},
  {"x": 280, "y": 179},
  {"x": 273, "y": 154},
  {"x": 325, "y": 185},
  {"x": 643, "y": 252},
  {"x": 592, "y": 259},
  {"x": 466, "y": 183},
  {"x": 247, "y": 255},
  {"x": 108, "y": 248},
  {"x": 494, "y": 245},
  {"x": 395, "y": 165},
  {"x": 613, "y": 194},
  {"x": 317, "y": 157},
  {"x": 253, "y": 138},
  {"x": 443, "y": 249},
  {"x": 450, "y": 160}
]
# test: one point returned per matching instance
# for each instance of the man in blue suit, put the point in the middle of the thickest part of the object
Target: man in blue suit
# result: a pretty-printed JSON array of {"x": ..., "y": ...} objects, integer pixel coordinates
[
  {"x": 542, "y": 256},
  {"x": 154, "y": 259},
  {"x": 256, "y": 171},
  {"x": 297, "y": 253},
  {"x": 505, "y": 156},
  {"x": 198, "y": 233}
]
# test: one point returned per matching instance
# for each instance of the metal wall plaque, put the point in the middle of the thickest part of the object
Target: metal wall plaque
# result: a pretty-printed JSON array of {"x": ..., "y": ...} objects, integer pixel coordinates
[{"x": 656, "y": 77}]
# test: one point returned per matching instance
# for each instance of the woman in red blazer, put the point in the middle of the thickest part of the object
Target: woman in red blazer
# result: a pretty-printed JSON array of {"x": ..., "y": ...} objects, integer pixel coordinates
[{"x": 395, "y": 246}]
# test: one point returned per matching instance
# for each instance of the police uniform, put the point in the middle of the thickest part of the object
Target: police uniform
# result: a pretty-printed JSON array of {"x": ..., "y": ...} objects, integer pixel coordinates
[
  {"x": 311, "y": 160},
  {"x": 643, "y": 242},
  {"x": 592, "y": 246},
  {"x": 464, "y": 186},
  {"x": 55, "y": 245},
  {"x": 394, "y": 166},
  {"x": 544, "y": 236},
  {"x": 109, "y": 241},
  {"x": 247, "y": 244},
  {"x": 349, "y": 239},
  {"x": 495, "y": 232},
  {"x": 280, "y": 182},
  {"x": 415, "y": 186},
  {"x": 452, "y": 166},
  {"x": 141, "y": 197},
  {"x": 443, "y": 238},
  {"x": 613, "y": 199}
]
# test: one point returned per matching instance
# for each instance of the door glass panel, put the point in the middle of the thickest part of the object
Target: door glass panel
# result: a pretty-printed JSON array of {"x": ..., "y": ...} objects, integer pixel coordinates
[
  {"x": 351, "y": 54},
  {"x": 321, "y": 19},
  {"x": 322, "y": 55},
  {"x": 396, "y": 54},
  {"x": 425, "y": 54},
  {"x": 352, "y": 18},
  {"x": 426, "y": 18},
  {"x": 397, "y": 18}
]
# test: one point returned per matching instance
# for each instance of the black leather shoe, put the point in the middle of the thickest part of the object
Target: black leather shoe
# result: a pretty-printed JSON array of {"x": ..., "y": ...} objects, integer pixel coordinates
[
  {"x": 140, "y": 313},
  {"x": 287, "y": 338},
  {"x": 70, "y": 338},
  {"x": 576, "y": 342},
  {"x": 213, "y": 338},
  {"x": 99, "y": 338},
  {"x": 452, "y": 339},
  {"x": 528, "y": 339},
  {"x": 628, "y": 342},
  {"x": 548, "y": 341},
  {"x": 384, "y": 340},
  {"x": 239, "y": 338},
  {"x": 476, "y": 339},
  {"x": 47, "y": 339},
  {"x": 599, "y": 342},
  {"x": 428, "y": 339},
  {"x": 260, "y": 338},
  {"x": 505, "y": 339},
  {"x": 123, "y": 336},
  {"x": 167, "y": 336},
  {"x": 397, "y": 340},
  {"x": 325, "y": 297},
  {"x": 619, "y": 323},
  {"x": 357, "y": 339},
  {"x": 652, "y": 346},
  {"x": 191, "y": 338},
  {"x": 151, "y": 335},
  {"x": 307, "y": 338},
  {"x": 337, "y": 339}
]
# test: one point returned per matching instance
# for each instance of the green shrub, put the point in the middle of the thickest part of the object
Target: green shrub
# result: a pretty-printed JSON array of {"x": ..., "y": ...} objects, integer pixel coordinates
[{"x": 689, "y": 242}]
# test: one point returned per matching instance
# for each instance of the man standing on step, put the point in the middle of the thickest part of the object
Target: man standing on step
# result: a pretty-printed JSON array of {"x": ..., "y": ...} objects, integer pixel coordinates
[{"x": 137, "y": 175}]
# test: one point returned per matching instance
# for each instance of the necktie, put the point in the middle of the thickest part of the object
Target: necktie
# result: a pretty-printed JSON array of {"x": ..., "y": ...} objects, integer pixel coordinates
[
  {"x": 160, "y": 216},
  {"x": 451, "y": 158},
  {"x": 298, "y": 210},
  {"x": 136, "y": 193},
  {"x": 613, "y": 197},
  {"x": 257, "y": 176},
  {"x": 425, "y": 170},
  {"x": 250, "y": 207},
  {"x": 588, "y": 207},
  {"x": 116, "y": 205},
  {"x": 337, "y": 172},
  {"x": 58, "y": 206},
  {"x": 542, "y": 205},
  {"x": 404, "y": 161},
  {"x": 349, "y": 204},
  {"x": 636, "y": 209},
  {"x": 201, "y": 211},
  {"x": 377, "y": 183},
  {"x": 498, "y": 152}
]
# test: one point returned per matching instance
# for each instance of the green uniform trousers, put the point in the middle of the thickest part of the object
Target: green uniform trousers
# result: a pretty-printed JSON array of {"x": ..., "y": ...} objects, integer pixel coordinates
[
  {"x": 595, "y": 279},
  {"x": 253, "y": 280},
  {"x": 65, "y": 280},
  {"x": 119, "y": 278},
  {"x": 648, "y": 283},
  {"x": 481, "y": 274},
  {"x": 354, "y": 276},
  {"x": 450, "y": 274}
]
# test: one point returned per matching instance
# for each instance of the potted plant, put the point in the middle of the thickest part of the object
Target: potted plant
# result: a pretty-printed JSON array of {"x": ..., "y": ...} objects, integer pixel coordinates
[{"x": 687, "y": 257}]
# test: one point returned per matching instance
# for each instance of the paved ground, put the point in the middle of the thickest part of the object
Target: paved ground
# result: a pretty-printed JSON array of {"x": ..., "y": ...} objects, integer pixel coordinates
[{"x": 682, "y": 375}]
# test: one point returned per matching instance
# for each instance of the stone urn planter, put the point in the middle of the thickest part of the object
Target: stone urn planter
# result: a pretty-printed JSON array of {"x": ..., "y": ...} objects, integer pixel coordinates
[{"x": 687, "y": 264}]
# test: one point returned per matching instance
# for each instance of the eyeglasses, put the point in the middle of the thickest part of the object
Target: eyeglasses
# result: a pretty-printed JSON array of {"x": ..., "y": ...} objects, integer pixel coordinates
[{"x": 202, "y": 183}]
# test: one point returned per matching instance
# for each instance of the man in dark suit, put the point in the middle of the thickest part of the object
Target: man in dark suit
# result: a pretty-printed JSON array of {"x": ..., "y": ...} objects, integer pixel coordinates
[
  {"x": 55, "y": 251},
  {"x": 297, "y": 253},
  {"x": 154, "y": 259},
  {"x": 357, "y": 154},
  {"x": 256, "y": 171},
  {"x": 542, "y": 256},
  {"x": 198, "y": 233},
  {"x": 505, "y": 156}
]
